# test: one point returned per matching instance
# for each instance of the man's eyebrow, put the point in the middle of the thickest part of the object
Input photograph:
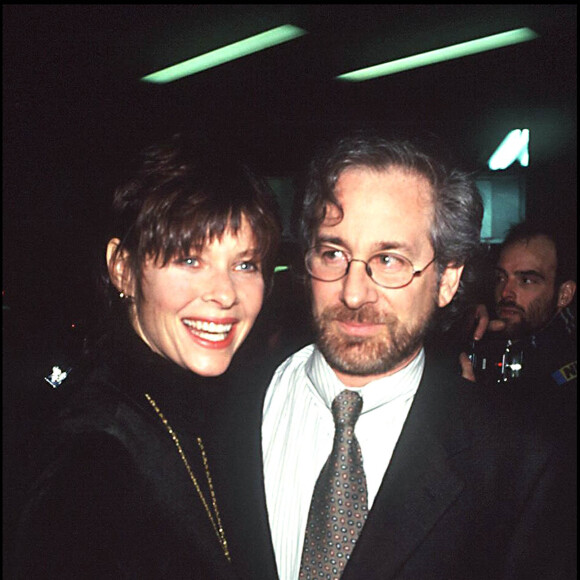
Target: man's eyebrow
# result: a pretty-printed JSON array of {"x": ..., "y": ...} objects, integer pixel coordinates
[
  {"x": 377, "y": 247},
  {"x": 521, "y": 272},
  {"x": 530, "y": 273},
  {"x": 321, "y": 239}
]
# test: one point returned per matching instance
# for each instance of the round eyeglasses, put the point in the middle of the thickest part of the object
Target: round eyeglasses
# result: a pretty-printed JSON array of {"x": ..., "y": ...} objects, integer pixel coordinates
[{"x": 385, "y": 269}]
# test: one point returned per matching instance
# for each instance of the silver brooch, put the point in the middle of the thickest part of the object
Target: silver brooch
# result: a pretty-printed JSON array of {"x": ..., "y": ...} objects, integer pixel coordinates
[{"x": 56, "y": 377}]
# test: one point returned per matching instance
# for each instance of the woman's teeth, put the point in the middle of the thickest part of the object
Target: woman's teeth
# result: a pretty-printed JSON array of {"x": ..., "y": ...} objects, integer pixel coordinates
[{"x": 208, "y": 330}]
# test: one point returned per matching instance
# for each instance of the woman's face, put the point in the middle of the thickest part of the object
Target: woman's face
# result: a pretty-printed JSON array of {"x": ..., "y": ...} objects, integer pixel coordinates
[{"x": 197, "y": 310}]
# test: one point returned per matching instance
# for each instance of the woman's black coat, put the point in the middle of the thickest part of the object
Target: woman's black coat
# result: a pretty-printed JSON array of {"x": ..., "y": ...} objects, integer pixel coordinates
[{"x": 112, "y": 498}]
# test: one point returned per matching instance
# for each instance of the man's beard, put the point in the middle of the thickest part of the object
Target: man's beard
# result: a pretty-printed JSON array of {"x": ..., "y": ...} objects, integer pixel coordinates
[
  {"x": 375, "y": 355},
  {"x": 539, "y": 313}
]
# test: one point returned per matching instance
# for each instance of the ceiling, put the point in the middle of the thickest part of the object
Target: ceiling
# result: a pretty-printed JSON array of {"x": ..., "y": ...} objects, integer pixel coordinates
[
  {"x": 75, "y": 70},
  {"x": 74, "y": 104}
]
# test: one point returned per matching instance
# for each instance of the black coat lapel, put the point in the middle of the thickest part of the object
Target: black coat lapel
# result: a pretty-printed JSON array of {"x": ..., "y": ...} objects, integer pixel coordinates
[
  {"x": 419, "y": 484},
  {"x": 239, "y": 481}
]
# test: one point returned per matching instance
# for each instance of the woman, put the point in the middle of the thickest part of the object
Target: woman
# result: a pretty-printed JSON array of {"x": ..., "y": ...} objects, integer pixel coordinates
[{"x": 125, "y": 487}]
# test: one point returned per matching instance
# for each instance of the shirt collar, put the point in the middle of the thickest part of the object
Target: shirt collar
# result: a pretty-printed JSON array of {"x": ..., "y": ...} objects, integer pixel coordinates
[{"x": 402, "y": 384}]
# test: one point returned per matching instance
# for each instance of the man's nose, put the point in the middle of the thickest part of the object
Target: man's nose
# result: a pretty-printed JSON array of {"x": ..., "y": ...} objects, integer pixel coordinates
[
  {"x": 508, "y": 289},
  {"x": 358, "y": 287}
]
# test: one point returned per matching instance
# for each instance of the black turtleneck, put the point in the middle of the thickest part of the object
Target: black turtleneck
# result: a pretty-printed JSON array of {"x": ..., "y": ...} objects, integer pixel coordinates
[{"x": 114, "y": 497}]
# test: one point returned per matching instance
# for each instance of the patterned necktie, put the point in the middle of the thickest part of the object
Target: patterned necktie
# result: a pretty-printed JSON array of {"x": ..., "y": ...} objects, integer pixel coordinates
[{"x": 339, "y": 503}]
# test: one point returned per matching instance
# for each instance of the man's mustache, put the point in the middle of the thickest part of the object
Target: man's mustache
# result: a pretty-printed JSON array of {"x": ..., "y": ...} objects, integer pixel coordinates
[
  {"x": 364, "y": 315},
  {"x": 510, "y": 304}
]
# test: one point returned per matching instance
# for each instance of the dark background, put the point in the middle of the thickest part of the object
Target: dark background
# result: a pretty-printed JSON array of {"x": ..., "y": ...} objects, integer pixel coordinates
[{"x": 74, "y": 110}]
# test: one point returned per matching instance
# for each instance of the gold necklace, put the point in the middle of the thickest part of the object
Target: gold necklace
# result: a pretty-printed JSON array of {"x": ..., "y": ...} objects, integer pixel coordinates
[{"x": 216, "y": 523}]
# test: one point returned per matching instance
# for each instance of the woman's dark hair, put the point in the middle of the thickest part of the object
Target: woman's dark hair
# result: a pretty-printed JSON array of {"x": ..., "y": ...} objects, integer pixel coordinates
[{"x": 182, "y": 194}]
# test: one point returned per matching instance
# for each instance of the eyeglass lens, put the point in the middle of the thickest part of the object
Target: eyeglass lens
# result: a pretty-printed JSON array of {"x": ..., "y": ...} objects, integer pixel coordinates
[{"x": 386, "y": 269}]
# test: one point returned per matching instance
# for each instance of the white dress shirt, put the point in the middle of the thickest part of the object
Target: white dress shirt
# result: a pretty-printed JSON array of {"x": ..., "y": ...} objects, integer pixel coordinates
[{"x": 297, "y": 435}]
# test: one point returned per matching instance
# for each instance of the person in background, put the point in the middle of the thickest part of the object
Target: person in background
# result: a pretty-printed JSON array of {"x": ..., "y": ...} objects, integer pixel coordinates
[
  {"x": 378, "y": 460},
  {"x": 124, "y": 486},
  {"x": 535, "y": 284}
]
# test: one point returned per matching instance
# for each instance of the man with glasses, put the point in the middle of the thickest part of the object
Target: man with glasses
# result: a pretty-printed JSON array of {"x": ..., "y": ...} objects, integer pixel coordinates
[{"x": 378, "y": 461}]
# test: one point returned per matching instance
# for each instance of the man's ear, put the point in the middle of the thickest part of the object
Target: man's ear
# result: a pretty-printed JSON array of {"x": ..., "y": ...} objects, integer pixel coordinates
[
  {"x": 119, "y": 268},
  {"x": 566, "y": 292},
  {"x": 449, "y": 284}
]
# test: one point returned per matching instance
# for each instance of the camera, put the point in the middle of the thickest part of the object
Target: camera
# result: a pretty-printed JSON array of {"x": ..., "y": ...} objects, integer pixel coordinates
[{"x": 497, "y": 361}]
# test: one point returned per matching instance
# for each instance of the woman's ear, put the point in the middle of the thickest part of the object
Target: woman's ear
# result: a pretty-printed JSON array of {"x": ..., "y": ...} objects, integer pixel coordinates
[{"x": 119, "y": 268}]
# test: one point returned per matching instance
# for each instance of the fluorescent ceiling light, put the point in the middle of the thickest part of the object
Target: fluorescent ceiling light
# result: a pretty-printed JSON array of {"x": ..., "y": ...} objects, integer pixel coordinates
[
  {"x": 225, "y": 54},
  {"x": 513, "y": 148},
  {"x": 441, "y": 54}
]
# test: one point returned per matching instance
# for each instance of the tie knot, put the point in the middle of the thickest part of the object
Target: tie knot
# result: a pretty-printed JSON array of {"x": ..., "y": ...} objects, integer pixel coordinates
[{"x": 346, "y": 408}]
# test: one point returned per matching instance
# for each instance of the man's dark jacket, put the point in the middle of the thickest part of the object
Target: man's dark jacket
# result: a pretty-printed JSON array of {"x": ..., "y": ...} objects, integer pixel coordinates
[{"x": 478, "y": 488}]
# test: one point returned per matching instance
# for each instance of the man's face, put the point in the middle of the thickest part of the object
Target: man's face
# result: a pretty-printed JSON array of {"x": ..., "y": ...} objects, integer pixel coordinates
[
  {"x": 525, "y": 293},
  {"x": 366, "y": 331}
]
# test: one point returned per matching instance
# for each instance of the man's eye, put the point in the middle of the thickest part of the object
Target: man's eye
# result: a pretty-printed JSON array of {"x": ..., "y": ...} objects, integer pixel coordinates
[
  {"x": 390, "y": 262},
  {"x": 527, "y": 280},
  {"x": 331, "y": 255}
]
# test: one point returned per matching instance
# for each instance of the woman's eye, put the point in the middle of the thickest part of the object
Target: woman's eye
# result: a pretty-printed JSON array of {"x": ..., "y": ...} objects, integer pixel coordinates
[
  {"x": 248, "y": 266},
  {"x": 191, "y": 261}
]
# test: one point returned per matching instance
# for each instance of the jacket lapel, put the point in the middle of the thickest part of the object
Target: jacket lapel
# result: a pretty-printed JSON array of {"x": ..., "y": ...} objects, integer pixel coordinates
[
  {"x": 240, "y": 484},
  {"x": 418, "y": 486}
]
